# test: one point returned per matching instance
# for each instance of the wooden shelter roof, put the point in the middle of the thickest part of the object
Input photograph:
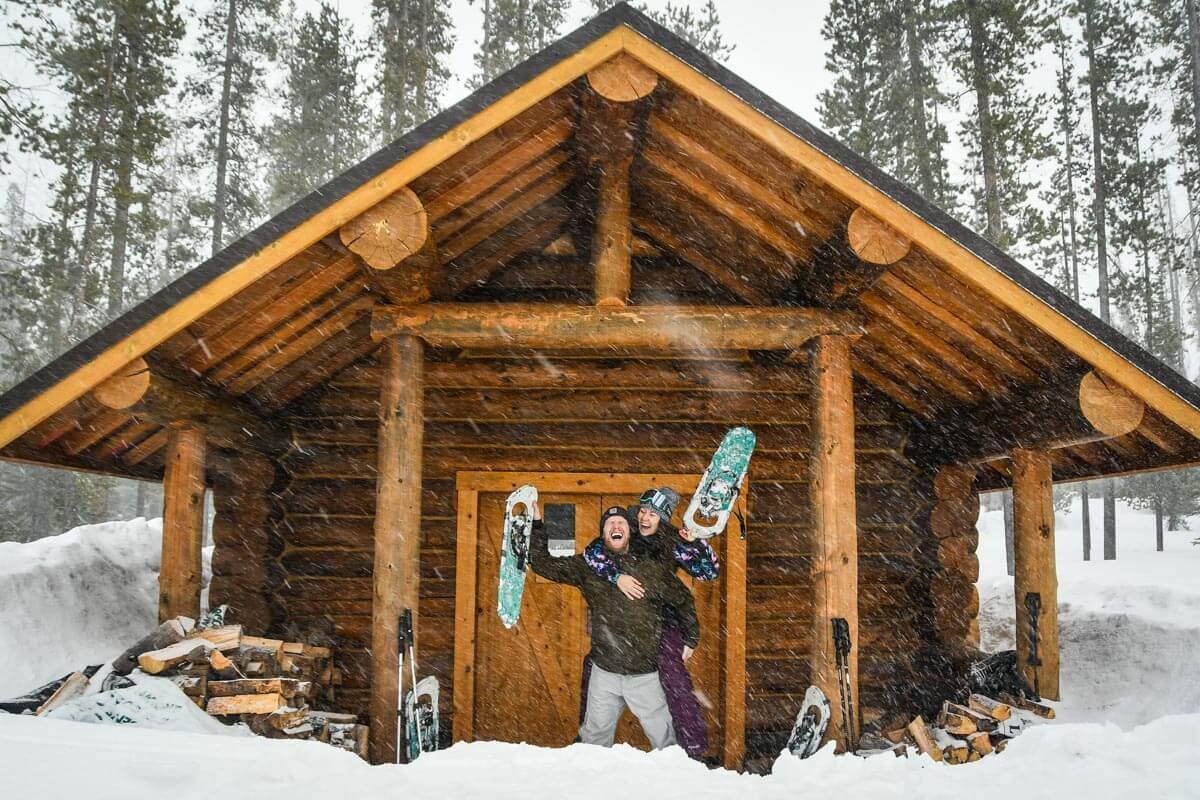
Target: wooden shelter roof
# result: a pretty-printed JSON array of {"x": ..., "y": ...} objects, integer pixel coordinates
[{"x": 734, "y": 201}]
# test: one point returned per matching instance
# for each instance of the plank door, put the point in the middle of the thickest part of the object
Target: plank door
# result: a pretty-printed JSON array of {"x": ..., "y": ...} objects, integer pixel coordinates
[
  {"x": 705, "y": 665},
  {"x": 527, "y": 678}
]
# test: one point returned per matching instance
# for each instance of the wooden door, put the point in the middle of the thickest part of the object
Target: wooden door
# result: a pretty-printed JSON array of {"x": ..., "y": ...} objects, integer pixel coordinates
[
  {"x": 524, "y": 684},
  {"x": 527, "y": 678}
]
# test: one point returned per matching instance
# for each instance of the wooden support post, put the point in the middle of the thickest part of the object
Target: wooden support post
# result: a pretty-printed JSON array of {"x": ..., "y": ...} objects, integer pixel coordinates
[
  {"x": 612, "y": 242},
  {"x": 1033, "y": 513},
  {"x": 183, "y": 525},
  {"x": 397, "y": 530},
  {"x": 835, "y": 529}
]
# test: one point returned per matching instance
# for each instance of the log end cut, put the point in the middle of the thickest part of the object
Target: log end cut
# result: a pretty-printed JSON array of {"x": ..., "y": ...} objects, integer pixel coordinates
[
  {"x": 125, "y": 387},
  {"x": 622, "y": 79},
  {"x": 874, "y": 241},
  {"x": 388, "y": 232},
  {"x": 1110, "y": 407}
]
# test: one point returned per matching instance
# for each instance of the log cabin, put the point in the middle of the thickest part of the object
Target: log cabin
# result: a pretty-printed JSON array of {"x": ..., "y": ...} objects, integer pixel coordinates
[{"x": 580, "y": 276}]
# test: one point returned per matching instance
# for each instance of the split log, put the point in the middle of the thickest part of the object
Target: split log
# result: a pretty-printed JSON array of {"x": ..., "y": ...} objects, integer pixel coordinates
[
  {"x": 166, "y": 634},
  {"x": 622, "y": 79},
  {"x": 957, "y": 753},
  {"x": 957, "y": 724},
  {"x": 157, "y": 661},
  {"x": 1041, "y": 710},
  {"x": 986, "y": 705},
  {"x": 74, "y": 686},
  {"x": 225, "y": 638},
  {"x": 390, "y": 231},
  {"x": 1061, "y": 415},
  {"x": 245, "y": 704},
  {"x": 155, "y": 397},
  {"x": 222, "y": 664},
  {"x": 542, "y": 325},
  {"x": 981, "y": 743},
  {"x": 923, "y": 738},
  {"x": 285, "y": 687},
  {"x": 873, "y": 240},
  {"x": 982, "y": 721}
]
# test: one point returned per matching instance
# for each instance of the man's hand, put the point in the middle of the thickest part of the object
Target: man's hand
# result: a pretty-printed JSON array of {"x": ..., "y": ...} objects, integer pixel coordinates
[
  {"x": 686, "y": 534},
  {"x": 687, "y": 652},
  {"x": 537, "y": 510},
  {"x": 631, "y": 587}
]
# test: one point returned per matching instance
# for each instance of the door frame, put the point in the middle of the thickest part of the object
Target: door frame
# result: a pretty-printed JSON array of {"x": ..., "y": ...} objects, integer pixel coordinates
[{"x": 468, "y": 487}]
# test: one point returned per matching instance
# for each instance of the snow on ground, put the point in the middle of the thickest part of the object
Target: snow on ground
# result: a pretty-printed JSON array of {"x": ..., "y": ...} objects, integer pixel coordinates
[
  {"x": 1129, "y": 629},
  {"x": 1131, "y": 644}
]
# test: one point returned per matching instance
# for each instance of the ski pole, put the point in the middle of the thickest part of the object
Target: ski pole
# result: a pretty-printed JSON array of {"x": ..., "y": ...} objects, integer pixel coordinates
[
  {"x": 407, "y": 622},
  {"x": 841, "y": 645},
  {"x": 401, "y": 646},
  {"x": 1033, "y": 604}
]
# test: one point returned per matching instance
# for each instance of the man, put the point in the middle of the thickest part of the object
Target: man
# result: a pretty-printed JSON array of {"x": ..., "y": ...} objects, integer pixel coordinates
[
  {"x": 625, "y": 633},
  {"x": 659, "y": 540}
]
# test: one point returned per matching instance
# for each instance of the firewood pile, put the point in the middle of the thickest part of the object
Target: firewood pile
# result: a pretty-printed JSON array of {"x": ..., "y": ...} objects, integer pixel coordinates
[
  {"x": 270, "y": 685},
  {"x": 962, "y": 734}
]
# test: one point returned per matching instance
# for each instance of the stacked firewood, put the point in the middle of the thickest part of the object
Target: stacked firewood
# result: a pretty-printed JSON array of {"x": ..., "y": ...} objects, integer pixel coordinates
[
  {"x": 966, "y": 733},
  {"x": 268, "y": 684}
]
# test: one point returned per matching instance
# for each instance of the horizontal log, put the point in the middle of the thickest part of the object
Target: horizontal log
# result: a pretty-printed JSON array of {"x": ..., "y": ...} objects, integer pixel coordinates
[
  {"x": 954, "y": 517},
  {"x": 322, "y": 462},
  {"x": 356, "y": 588},
  {"x": 792, "y": 540},
  {"x": 1091, "y": 409},
  {"x": 643, "y": 435},
  {"x": 958, "y": 557},
  {"x": 152, "y": 396},
  {"x": 953, "y": 482},
  {"x": 670, "y": 327},
  {"x": 785, "y": 570},
  {"x": 332, "y": 498}
]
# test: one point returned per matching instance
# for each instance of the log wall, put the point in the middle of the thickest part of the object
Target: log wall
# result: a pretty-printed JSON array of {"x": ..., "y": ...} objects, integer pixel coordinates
[{"x": 653, "y": 416}]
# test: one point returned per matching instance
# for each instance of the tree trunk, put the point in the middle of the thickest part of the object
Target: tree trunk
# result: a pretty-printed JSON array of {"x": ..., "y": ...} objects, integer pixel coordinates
[
  {"x": 1086, "y": 522},
  {"x": 1009, "y": 533},
  {"x": 1101, "y": 188},
  {"x": 1110, "y": 521},
  {"x": 1193, "y": 19},
  {"x": 122, "y": 194},
  {"x": 1069, "y": 149},
  {"x": 987, "y": 144},
  {"x": 220, "y": 192},
  {"x": 91, "y": 204},
  {"x": 917, "y": 87},
  {"x": 1158, "y": 524}
]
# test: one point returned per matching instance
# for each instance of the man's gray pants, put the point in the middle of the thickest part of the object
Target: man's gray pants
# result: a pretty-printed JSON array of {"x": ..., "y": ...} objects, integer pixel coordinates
[{"x": 609, "y": 693}]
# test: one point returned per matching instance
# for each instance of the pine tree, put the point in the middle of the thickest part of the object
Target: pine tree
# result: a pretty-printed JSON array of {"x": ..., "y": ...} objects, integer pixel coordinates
[
  {"x": 237, "y": 42},
  {"x": 992, "y": 52},
  {"x": 701, "y": 29},
  {"x": 414, "y": 39},
  {"x": 513, "y": 30},
  {"x": 884, "y": 99},
  {"x": 316, "y": 134}
]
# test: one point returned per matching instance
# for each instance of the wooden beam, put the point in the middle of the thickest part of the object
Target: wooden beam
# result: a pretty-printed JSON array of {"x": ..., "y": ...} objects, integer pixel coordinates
[
  {"x": 1033, "y": 548},
  {"x": 183, "y": 525},
  {"x": 150, "y": 395},
  {"x": 873, "y": 240},
  {"x": 835, "y": 526},
  {"x": 622, "y": 79},
  {"x": 1091, "y": 409},
  {"x": 552, "y": 326},
  {"x": 612, "y": 241},
  {"x": 388, "y": 232},
  {"x": 396, "y": 572}
]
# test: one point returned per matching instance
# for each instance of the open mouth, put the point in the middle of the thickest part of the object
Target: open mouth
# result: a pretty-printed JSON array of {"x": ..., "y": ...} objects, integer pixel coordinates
[{"x": 617, "y": 537}]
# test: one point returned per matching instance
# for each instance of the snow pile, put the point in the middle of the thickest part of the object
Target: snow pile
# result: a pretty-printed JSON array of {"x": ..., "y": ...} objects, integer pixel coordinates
[
  {"x": 75, "y": 599},
  {"x": 1050, "y": 761},
  {"x": 151, "y": 703},
  {"x": 1129, "y": 629}
]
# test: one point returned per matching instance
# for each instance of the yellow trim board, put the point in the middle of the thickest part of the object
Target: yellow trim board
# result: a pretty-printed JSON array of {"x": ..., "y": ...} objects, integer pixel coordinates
[
  {"x": 241, "y": 275},
  {"x": 964, "y": 263}
]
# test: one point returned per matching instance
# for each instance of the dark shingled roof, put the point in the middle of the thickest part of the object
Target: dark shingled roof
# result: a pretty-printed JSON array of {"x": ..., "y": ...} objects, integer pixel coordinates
[{"x": 619, "y": 15}]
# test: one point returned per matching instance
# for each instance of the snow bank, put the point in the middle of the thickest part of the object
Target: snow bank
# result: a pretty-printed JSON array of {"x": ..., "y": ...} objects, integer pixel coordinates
[
  {"x": 1051, "y": 761},
  {"x": 151, "y": 703},
  {"x": 75, "y": 599},
  {"x": 1129, "y": 629}
]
